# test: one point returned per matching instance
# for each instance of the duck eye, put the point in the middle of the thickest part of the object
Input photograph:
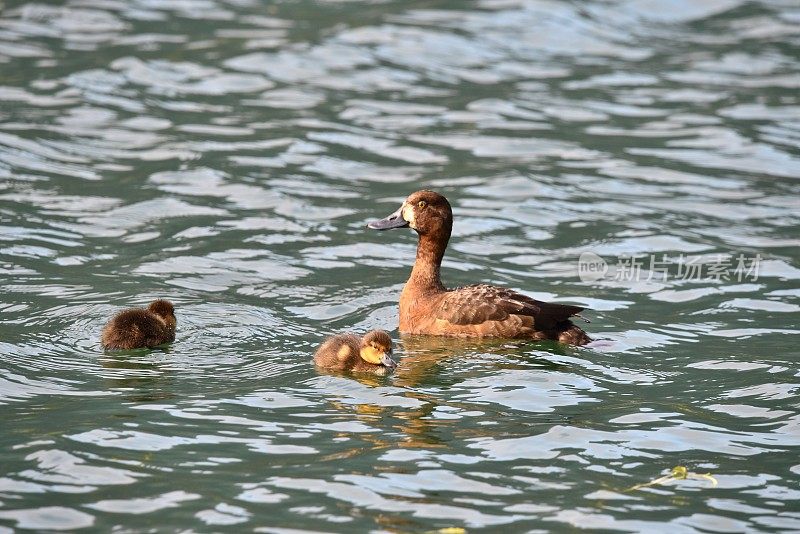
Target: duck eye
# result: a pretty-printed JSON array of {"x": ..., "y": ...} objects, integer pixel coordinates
[{"x": 422, "y": 203}]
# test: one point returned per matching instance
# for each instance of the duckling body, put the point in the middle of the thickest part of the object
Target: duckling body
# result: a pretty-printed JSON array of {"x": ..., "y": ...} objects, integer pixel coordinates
[
  {"x": 348, "y": 352},
  {"x": 481, "y": 310},
  {"x": 140, "y": 327}
]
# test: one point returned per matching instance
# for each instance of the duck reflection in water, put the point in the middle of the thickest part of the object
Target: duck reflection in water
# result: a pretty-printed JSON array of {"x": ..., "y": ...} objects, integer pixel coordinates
[
  {"x": 425, "y": 356},
  {"x": 141, "y": 376},
  {"x": 425, "y": 364}
]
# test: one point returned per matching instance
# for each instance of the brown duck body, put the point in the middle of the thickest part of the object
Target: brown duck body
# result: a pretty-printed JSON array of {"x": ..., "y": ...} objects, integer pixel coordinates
[
  {"x": 140, "y": 327},
  {"x": 486, "y": 311},
  {"x": 427, "y": 307},
  {"x": 342, "y": 352}
]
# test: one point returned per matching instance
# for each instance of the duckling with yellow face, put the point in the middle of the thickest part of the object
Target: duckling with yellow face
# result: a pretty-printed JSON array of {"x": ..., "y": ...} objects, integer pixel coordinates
[{"x": 347, "y": 352}]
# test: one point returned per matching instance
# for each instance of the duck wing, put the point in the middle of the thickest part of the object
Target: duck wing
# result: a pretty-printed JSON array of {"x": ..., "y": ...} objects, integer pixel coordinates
[{"x": 476, "y": 304}]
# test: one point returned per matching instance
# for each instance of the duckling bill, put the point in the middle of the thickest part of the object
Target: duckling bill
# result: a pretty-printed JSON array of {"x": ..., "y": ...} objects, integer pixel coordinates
[
  {"x": 136, "y": 328},
  {"x": 348, "y": 352},
  {"x": 481, "y": 310}
]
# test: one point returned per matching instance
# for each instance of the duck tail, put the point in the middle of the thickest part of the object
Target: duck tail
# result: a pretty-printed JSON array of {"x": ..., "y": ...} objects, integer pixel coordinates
[{"x": 574, "y": 336}]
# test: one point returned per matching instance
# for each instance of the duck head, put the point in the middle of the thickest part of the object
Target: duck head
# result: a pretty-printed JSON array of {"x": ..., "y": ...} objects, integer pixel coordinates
[
  {"x": 376, "y": 348},
  {"x": 164, "y": 309},
  {"x": 425, "y": 211}
]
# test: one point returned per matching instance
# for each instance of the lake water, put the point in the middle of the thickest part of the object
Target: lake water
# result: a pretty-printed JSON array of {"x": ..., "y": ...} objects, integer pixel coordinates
[{"x": 227, "y": 155}]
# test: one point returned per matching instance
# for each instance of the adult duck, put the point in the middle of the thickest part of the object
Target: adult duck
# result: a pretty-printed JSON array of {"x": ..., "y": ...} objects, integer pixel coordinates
[{"x": 427, "y": 307}]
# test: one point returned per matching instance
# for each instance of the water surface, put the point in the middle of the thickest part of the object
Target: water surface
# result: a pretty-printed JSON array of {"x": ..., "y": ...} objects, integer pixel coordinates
[{"x": 227, "y": 155}]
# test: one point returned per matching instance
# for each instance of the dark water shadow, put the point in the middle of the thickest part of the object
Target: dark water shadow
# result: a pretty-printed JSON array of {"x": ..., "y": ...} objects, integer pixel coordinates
[
  {"x": 425, "y": 357},
  {"x": 139, "y": 374}
]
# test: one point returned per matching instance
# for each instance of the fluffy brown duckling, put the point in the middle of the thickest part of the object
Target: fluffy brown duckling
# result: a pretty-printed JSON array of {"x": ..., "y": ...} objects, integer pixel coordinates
[
  {"x": 348, "y": 352},
  {"x": 140, "y": 327},
  {"x": 427, "y": 307}
]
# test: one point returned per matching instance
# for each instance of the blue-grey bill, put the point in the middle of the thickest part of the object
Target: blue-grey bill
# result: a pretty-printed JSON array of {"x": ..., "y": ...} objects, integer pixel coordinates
[
  {"x": 395, "y": 220},
  {"x": 387, "y": 361}
]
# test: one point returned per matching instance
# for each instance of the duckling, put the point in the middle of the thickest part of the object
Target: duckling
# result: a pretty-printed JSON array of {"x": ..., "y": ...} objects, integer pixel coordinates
[
  {"x": 348, "y": 352},
  {"x": 481, "y": 310},
  {"x": 140, "y": 327}
]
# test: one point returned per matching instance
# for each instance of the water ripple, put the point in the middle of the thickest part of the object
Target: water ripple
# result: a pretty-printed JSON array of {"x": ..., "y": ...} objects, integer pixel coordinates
[{"x": 227, "y": 155}]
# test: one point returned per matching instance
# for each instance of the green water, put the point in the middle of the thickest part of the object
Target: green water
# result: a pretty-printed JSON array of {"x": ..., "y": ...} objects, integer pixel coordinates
[{"x": 227, "y": 156}]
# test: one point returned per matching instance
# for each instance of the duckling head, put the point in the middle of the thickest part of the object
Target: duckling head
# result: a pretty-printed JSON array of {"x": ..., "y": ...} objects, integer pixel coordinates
[
  {"x": 376, "y": 348},
  {"x": 164, "y": 309},
  {"x": 425, "y": 211}
]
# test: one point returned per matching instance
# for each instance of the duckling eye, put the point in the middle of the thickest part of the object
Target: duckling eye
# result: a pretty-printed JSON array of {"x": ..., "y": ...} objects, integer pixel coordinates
[{"x": 422, "y": 203}]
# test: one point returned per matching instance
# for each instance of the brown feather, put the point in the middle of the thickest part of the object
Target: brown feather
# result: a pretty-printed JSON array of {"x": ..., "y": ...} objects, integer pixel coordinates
[
  {"x": 427, "y": 307},
  {"x": 138, "y": 327},
  {"x": 480, "y": 303},
  {"x": 342, "y": 353}
]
